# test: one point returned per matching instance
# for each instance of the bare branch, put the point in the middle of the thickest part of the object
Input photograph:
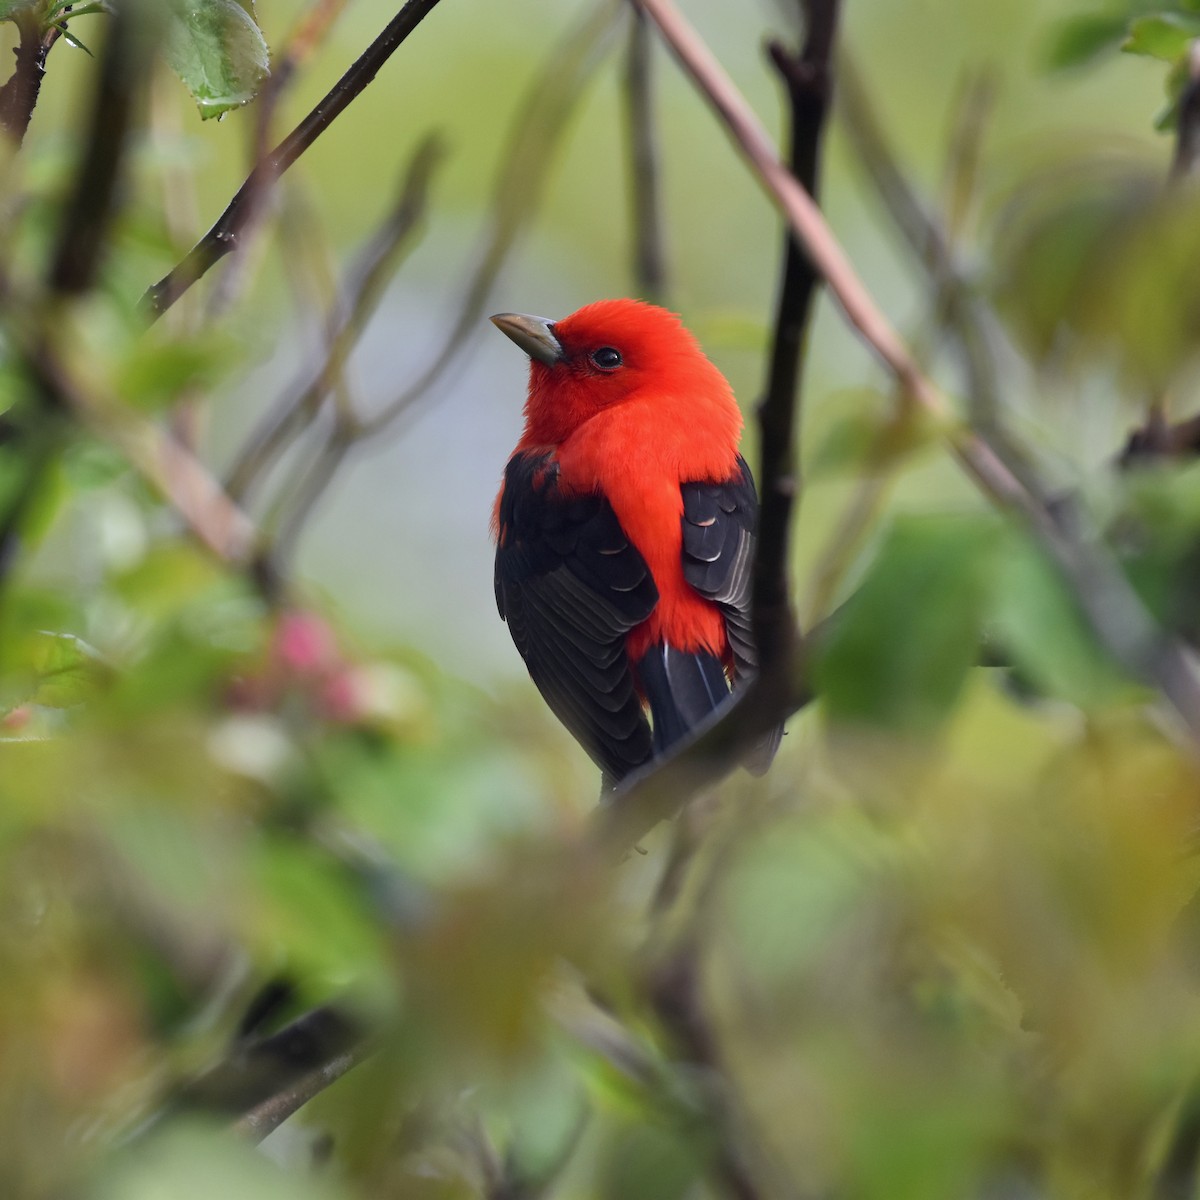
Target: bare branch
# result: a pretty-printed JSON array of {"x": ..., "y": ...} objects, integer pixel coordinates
[
  {"x": 264, "y": 1118},
  {"x": 300, "y": 44},
  {"x": 1187, "y": 139},
  {"x": 807, "y": 80},
  {"x": 955, "y": 298},
  {"x": 828, "y": 257},
  {"x": 88, "y": 215},
  {"x": 264, "y": 1081},
  {"x": 19, "y": 96},
  {"x": 223, "y": 237},
  {"x": 1113, "y": 610},
  {"x": 649, "y": 234},
  {"x": 170, "y": 468},
  {"x": 537, "y": 128},
  {"x": 368, "y": 279},
  {"x": 294, "y": 509}
]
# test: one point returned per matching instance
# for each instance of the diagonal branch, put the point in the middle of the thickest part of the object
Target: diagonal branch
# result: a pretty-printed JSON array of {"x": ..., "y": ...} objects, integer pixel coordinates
[
  {"x": 1113, "y": 609},
  {"x": 266, "y": 1080},
  {"x": 222, "y": 238},
  {"x": 830, "y": 260},
  {"x": 305, "y": 37},
  {"x": 536, "y": 131},
  {"x": 162, "y": 461},
  {"x": 360, "y": 297}
]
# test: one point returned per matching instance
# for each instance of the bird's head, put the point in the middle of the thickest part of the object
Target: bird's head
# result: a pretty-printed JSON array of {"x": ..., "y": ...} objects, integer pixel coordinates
[{"x": 606, "y": 354}]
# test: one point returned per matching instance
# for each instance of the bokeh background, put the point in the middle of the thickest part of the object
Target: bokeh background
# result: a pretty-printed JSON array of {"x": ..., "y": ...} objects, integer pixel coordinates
[
  {"x": 945, "y": 948},
  {"x": 401, "y": 542}
]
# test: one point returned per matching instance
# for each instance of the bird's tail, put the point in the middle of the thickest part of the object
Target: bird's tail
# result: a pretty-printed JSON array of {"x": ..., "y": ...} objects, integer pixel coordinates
[{"x": 683, "y": 688}]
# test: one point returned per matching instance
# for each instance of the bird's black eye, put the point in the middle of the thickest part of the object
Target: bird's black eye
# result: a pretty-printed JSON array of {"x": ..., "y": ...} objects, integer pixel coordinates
[{"x": 606, "y": 358}]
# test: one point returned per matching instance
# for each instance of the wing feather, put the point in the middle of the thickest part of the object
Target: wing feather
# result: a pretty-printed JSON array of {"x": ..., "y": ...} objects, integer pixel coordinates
[
  {"x": 571, "y": 586},
  {"x": 720, "y": 521}
]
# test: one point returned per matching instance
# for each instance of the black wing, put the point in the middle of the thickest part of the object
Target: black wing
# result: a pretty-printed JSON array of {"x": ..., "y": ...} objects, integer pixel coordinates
[
  {"x": 720, "y": 521},
  {"x": 719, "y": 524},
  {"x": 571, "y": 586}
]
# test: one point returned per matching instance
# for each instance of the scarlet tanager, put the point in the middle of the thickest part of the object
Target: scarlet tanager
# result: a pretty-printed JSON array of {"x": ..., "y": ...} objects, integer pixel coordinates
[{"x": 625, "y": 531}]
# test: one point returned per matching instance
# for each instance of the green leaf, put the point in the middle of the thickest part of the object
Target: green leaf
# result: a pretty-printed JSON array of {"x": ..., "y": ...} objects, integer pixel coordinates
[
  {"x": 218, "y": 51},
  {"x": 1042, "y": 629},
  {"x": 900, "y": 652},
  {"x": 859, "y": 433},
  {"x": 195, "y": 1162},
  {"x": 58, "y": 14},
  {"x": 66, "y": 669},
  {"x": 11, "y": 9},
  {"x": 1164, "y": 36},
  {"x": 73, "y": 41},
  {"x": 1080, "y": 40},
  {"x": 160, "y": 368}
]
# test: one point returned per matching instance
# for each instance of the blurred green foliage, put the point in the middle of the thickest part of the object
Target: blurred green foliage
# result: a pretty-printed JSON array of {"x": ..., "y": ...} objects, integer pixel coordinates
[{"x": 948, "y": 947}]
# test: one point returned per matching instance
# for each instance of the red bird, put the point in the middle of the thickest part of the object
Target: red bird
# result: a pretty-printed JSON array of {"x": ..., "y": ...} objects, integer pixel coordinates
[{"x": 625, "y": 531}]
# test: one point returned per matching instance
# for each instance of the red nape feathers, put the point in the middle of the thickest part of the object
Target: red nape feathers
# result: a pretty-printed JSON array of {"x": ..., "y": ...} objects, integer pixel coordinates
[{"x": 625, "y": 530}]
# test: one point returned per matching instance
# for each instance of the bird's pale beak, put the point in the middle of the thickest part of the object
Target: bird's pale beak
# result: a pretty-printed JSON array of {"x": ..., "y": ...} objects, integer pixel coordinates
[{"x": 533, "y": 334}]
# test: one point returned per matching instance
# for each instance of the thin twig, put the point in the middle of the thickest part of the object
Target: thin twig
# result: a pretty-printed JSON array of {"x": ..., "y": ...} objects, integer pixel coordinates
[
  {"x": 259, "y": 1080},
  {"x": 223, "y": 237},
  {"x": 649, "y": 232},
  {"x": 290, "y": 517},
  {"x": 536, "y": 130},
  {"x": 307, "y": 35},
  {"x": 169, "y": 467},
  {"x": 977, "y": 332},
  {"x": 264, "y": 1118},
  {"x": 360, "y": 296},
  {"x": 964, "y": 151}
]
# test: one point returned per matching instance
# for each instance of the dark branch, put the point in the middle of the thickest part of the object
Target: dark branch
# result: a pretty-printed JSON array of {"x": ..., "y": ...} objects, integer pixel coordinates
[
  {"x": 781, "y": 688},
  {"x": 714, "y": 751},
  {"x": 1157, "y": 440},
  {"x": 266, "y": 1117},
  {"x": 88, "y": 215},
  {"x": 807, "y": 79},
  {"x": 1187, "y": 140},
  {"x": 222, "y": 238},
  {"x": 306, "y": 36},
  {"x": 19, "y": 96},
  {"x": 677, "y": 994},
  {"x": 649, "y": 255},
  {"x": 296, "y": 508},
  {"x": 261, "y": 1074}
]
